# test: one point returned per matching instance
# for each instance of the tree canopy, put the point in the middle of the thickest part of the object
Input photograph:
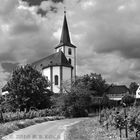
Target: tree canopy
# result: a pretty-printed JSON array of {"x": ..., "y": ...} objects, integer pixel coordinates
[
  {"x": 80, "y": 96},
  {"x": 95, "y": 83},
  {"x": 28, "y": 88},
  {"x": 133, "y": 87}
]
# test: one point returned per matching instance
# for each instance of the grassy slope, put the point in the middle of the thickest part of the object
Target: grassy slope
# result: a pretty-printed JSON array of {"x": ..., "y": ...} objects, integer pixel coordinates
[{"x": 91, "y": 130}]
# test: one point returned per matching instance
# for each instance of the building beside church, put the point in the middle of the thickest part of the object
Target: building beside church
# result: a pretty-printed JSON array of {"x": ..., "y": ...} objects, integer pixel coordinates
[
  {"x": 60, "y": 66},
  {"x": 117, "y": 92}
]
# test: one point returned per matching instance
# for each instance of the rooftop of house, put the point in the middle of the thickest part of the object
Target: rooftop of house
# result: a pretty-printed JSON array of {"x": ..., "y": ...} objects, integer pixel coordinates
[{"x": 117, "y": 89}]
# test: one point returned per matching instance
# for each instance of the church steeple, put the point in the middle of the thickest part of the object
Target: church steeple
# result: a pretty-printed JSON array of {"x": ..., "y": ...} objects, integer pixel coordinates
[
  {"x": 65, "y": 37},
  {"x": 67, "y": 47}
]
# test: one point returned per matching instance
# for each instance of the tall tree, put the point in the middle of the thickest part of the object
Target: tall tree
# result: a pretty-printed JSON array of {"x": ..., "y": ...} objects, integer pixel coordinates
[
  {"x": 95, "y": 83},
  {"x": 28, "y": 88},
  {"x": 76, "y": 100}
]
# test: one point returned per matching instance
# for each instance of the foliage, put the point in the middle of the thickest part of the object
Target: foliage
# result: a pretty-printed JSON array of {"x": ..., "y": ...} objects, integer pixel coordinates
[
  {"x": 27, "y": 88},
  {"x": 128, "y": 99},
  {"x": 95, "y": 83},
  {"x": 105, "y": 101},
  {"x": 133, "y": 87},
  {"x": 79, "y": 97},
  {"x": 75, "y": 101},
  {"x": 118, "y": 119},
  {"x": 12, "y": 116},
  {"x": 134, "y": 120}
]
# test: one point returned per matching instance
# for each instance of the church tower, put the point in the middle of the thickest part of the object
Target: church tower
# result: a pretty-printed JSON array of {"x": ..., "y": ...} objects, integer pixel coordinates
[{"x": 67, "y": 47}]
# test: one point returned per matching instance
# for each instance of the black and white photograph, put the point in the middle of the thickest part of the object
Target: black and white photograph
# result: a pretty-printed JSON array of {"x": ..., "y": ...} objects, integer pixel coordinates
[{"x": 69, "y": 69}]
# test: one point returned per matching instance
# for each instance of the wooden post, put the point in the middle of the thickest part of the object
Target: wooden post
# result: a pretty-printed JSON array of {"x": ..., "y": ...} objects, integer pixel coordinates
[
  {"x": 1, "y": 116},
  {"x": 120, "y": 133},
  {"x": 125, "y": 116}
]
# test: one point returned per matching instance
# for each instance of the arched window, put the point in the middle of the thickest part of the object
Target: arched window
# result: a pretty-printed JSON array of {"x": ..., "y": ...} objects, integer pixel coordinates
[
  {"x": 69, "y": 60},
  {"x": 56, "y": 79},
  {"x": 69, "y": 51}
]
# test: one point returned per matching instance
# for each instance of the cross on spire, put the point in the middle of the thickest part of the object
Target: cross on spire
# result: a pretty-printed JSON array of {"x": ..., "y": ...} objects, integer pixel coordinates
[{"x": 65, "y": 10}]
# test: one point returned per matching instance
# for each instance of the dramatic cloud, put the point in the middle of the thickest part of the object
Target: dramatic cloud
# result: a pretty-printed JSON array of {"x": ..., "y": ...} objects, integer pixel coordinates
[{"x": 105, "y": 32}]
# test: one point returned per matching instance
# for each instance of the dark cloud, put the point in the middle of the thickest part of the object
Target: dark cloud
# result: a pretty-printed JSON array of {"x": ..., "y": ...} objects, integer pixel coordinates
[
  {"x": 43, "y": 13},
  {"x": 105, "y": 32},
  {"x": 24, "y": 28},
  {"x": 38, "y": 2},
  {"x": 8, "y": 67}
]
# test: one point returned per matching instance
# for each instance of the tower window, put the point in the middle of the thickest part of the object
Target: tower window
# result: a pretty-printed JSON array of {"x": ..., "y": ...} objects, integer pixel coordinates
[
  {"x": 69, "y": 51},
  {"x": 56, "y": 79},
  {"x": 69, "y": 60}
]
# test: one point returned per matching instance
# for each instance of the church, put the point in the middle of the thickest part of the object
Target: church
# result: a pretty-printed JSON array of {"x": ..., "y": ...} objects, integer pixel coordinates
[{"x": 60, "y": 66}]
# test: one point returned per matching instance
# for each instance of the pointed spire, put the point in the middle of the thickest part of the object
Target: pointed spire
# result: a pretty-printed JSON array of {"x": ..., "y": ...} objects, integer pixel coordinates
[{"x": 65, "y": 37}]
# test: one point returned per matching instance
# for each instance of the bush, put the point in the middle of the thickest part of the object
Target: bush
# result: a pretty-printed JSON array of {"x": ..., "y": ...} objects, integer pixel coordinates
[
  {"x": 128, "y": 100},
  {"x": 134, "y": 138},
  {"x": 118, "y": 119},
  {"x": 12, "y": 116}
]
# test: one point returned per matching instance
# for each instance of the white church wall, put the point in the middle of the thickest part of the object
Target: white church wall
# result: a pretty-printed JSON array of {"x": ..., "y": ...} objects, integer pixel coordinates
[
  {"x": 47, "y": 73},
  {"x": 66, "y": 76},
  {"x": 56, "y": 71},
  {"x": 66, "y": 73},
  {"x": 61, "y": 48}
]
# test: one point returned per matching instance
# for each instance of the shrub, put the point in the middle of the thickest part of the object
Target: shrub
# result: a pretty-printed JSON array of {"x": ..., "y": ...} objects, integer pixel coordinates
[
  {"x": 128, "y": 100},
  {"x": 12, "y": 116}
]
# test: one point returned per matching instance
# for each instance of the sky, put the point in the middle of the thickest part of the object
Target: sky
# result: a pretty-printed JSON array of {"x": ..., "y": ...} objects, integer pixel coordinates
[{"x": 106, "y": 33}]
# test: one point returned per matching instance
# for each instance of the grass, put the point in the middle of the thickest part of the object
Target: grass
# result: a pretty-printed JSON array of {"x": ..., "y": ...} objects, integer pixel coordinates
[
  {"x": 9, "y": 127},
  {"x": 90, "y": 129}
]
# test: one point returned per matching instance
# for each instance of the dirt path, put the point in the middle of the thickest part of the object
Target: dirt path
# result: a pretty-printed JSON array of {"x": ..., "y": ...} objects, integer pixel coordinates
[{"x": 53, "y": 130}]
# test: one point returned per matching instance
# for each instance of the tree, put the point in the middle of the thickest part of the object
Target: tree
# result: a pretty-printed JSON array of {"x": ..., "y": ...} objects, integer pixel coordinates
[
  {"x": 95, "y": 83},
  {"x": 28, "y": 88},
  {"x": 133, "y": 87},
  {"x": 128, "y": 99},
  {"x": 75, "y": 101},
  {"x": 78, "y": 98},
  {"x": 105, "y": 101}
]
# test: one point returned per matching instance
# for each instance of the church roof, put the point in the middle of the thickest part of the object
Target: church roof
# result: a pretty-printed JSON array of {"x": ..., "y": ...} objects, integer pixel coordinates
[
  {"x": 56, "y": 59},
  {"x": 65, "y": 37}
]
